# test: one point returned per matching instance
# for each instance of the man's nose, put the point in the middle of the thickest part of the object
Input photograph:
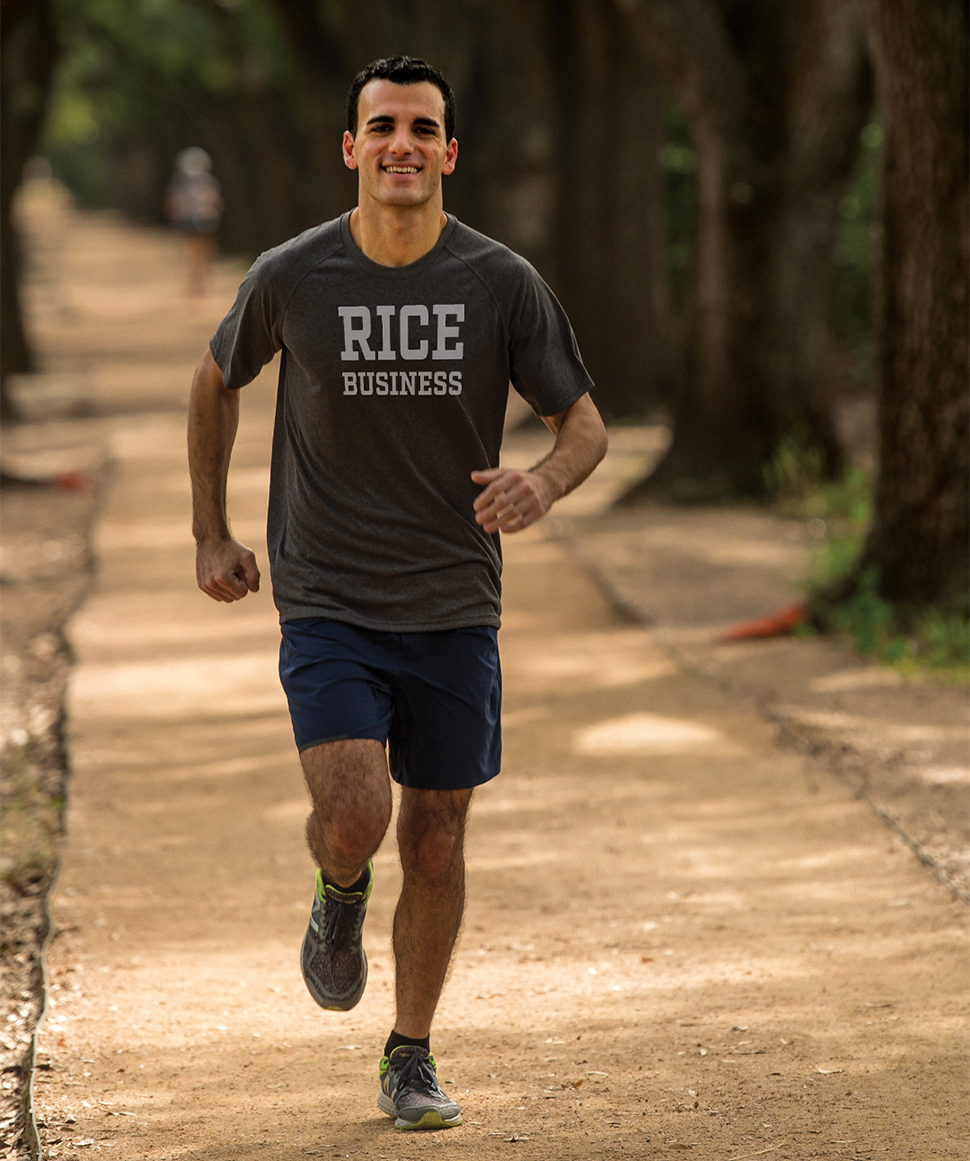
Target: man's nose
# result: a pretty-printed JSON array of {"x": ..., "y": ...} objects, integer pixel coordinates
[{"x": 401, "y": 140}]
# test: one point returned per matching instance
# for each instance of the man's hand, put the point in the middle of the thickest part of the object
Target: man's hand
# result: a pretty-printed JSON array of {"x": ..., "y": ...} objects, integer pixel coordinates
[
  {"x": 512, "y": 500},
  {"x": 226, "y": 570}
]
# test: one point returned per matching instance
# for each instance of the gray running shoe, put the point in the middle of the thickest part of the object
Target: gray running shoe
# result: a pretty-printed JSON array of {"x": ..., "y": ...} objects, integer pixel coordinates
[
  {"x": 410, "y": 1091},
  {"x": 333, "y": 959}
]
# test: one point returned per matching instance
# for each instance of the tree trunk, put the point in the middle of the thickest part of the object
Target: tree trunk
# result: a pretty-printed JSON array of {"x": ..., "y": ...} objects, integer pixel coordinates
[
  {"x": 776, "y": 96},
  {"x": 919, "y": 537},
  {"x": 610, "y": 258},
  {"x": 28, "y": 52}
]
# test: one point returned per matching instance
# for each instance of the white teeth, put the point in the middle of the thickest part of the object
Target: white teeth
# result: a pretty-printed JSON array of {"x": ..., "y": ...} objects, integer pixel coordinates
[{"x": 401, "y": 168}]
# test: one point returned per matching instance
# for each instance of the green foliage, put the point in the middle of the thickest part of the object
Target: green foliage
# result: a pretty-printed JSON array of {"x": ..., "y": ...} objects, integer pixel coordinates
[
  {"x": 913, "y": 640},
  {"x": 678, "y": 160},
  {"x": 795, "y": 481},
  {"x": 147, "y": 69},
  {"x": 794, "y": 473},
  {"x": 837, "y": 513},
  {"x": 851, "y": 283}
]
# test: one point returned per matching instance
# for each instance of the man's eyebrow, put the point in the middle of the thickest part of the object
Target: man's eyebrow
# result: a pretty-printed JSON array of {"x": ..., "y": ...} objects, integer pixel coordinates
[{"x": 388, "y": 118}]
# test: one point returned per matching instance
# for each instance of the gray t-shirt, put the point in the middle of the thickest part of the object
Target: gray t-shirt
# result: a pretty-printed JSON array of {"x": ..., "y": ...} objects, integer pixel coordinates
[{"x": 393, "y": 388}]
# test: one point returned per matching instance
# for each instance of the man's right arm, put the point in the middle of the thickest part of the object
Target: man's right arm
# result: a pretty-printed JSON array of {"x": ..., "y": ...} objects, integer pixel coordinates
[{"x": 225, "y": 569}]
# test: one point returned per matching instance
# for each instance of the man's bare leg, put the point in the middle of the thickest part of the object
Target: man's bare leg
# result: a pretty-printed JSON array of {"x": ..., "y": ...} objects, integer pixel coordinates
[
  {"x": 431, "y": 834},
  {"x": 350, "y": 789}
]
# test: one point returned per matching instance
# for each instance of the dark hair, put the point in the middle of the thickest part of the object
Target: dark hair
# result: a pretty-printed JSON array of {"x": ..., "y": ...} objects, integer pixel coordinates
[{"x": 402, "y": 70}]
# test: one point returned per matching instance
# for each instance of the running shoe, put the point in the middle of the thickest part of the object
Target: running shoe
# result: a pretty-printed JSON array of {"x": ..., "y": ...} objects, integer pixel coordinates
[
  {"x": 333, "y": 959},
  {"x": 410, "y": 1091}
]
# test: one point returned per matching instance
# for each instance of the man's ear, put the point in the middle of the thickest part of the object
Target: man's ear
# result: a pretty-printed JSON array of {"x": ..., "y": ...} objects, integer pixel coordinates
[
  {"x": 451, "y": 156},
  {"x": 350, "y": 157}
]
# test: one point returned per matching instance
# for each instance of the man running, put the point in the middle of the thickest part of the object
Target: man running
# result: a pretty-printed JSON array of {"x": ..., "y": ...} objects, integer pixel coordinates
[{"x": 400, "y": 330}]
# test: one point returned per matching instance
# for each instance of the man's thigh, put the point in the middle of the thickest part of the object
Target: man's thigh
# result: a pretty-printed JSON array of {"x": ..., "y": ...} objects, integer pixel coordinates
[{"x": 347, "y": 776}]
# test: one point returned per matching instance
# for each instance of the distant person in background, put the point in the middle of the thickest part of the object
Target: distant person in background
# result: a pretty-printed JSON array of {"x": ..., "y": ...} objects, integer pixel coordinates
[{"x": 193, "y": 204}]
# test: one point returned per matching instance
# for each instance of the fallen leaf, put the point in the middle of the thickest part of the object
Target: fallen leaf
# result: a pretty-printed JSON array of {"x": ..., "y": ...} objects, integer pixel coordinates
[
  {"x": 516, "y": 1137},
  {"x": 646, "y": 959},
  {"x": 828, "y": 1071},
  {"x": 577, "y": 1083},
  {"x": 778, "y": 624}
]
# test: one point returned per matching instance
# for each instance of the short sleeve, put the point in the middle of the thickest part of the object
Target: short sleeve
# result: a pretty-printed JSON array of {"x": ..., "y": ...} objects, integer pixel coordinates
[
  {"x": 249, "y": 336},
  {"x": 546, "y": 367}
]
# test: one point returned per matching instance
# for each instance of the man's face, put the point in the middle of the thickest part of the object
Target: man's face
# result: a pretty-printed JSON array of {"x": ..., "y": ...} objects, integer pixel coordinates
[{"x": 400, "y": 151}]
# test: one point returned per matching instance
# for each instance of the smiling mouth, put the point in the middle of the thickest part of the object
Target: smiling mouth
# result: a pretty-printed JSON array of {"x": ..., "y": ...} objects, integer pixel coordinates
[{"x": 400, "y": 169}]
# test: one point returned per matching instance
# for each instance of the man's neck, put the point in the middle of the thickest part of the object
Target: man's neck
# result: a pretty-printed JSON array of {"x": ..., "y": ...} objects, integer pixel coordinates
[{"x": 397, "y": 237}]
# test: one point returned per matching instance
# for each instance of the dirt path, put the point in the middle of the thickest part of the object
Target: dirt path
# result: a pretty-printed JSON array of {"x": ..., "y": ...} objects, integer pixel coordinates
[{"x": 680, "y": 939}]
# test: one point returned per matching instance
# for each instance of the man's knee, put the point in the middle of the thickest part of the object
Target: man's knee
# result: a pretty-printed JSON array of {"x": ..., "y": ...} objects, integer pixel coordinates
[
  {"x": 431, "y": 856},
  {"x": 431, "y": 835},
  {"x": 348, "y": 838}
]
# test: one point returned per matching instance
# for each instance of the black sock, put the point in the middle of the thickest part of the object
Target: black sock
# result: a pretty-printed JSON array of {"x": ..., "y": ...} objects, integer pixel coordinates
[
  {"x": 395, "y": 1040},
  {"x": 359, "y": 887}
]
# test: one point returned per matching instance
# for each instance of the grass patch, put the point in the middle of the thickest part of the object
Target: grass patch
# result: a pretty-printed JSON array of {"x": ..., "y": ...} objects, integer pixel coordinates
[{"x": 927, "y": 641}]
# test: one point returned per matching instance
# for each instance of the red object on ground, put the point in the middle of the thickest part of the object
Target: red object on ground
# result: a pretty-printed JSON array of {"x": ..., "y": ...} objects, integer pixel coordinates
[
  {"x": 778, "y": 624},
  {"x": 72, "y": 481}
]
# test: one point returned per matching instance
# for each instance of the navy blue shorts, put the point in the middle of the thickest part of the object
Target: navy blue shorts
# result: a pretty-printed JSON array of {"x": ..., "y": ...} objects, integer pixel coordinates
[{"x": 433, "y": 698}]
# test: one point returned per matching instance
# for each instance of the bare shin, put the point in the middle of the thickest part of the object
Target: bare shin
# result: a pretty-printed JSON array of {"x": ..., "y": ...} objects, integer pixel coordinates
[{"x": 431, "y": 833}]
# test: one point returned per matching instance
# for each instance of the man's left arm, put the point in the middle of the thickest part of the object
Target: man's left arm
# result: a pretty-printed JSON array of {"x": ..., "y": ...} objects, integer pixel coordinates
[{"x": 514, "y": 499}]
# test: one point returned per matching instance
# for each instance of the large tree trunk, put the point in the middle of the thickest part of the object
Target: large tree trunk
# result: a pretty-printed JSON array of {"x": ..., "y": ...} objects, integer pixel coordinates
[
  {"x": 610, "y": 225},
  {"x": 28, "y": 52},
  {"x": 776, "y": 96},
  {"x": 919, "y": 537}
]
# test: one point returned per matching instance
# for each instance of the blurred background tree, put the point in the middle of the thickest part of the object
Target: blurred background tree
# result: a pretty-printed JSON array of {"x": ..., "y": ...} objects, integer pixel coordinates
[
  {"x": 696, "y": 179},
  {"x": 775, "y": 97},
  {"x": 919, "y": 541},
  {"x": 29, "y": 50}
]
